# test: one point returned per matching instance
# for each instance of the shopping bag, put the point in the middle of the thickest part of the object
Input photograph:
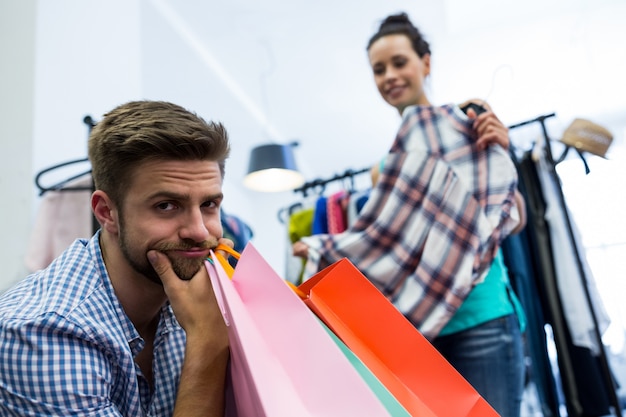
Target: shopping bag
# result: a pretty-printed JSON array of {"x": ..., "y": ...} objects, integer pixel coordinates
[
  {"x": 402, "y": 359},
  {"x": 283, "y": 363},
  {"x": 389, "y": 401}
]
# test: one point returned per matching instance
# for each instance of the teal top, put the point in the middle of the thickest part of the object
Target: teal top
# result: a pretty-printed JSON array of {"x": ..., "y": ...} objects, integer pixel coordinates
[{"x": 488, "y": 300}]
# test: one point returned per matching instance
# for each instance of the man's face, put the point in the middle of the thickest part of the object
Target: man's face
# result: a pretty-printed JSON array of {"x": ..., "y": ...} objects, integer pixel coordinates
[{"x": 173, "y": 207}]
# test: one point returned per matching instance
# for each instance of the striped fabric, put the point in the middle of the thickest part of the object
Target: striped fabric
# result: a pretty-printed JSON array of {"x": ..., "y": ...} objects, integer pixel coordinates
[
  {"x": 67, "y": 347},
  {"x": 434, "y": 221},
  {"x": 336, "y": 212}
]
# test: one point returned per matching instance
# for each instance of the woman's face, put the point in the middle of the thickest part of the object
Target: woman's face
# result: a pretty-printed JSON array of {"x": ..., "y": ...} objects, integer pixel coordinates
[{"x": 399, "y": 72}]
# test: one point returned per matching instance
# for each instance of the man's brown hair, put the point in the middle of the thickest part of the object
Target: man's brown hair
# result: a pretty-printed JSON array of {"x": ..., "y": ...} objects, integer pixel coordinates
[{"x": 140, "y": 131}]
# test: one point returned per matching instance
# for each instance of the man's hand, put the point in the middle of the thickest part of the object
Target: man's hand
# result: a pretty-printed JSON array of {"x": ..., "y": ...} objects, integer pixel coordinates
[
  {"x": 202, "y": 379},
  {"x": 193, "y": 301}
]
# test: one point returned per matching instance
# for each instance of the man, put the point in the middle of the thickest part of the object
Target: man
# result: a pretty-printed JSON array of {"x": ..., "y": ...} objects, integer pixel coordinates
[{"x": 126, "y": 324}]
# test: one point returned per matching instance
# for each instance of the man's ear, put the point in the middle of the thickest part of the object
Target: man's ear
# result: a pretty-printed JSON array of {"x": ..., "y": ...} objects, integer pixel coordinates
[{"x": 105, "y": 212}]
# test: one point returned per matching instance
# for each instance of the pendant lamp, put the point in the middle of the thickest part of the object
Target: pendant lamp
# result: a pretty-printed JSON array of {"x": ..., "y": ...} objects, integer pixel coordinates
[{"x": 273, "y": 168}]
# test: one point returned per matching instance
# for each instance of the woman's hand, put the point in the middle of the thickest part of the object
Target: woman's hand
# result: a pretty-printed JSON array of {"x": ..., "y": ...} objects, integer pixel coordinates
[
  {"x": 489, "y": 128},
  {"x": 300, "y": 249},
  {"x": 374, "y": 174}
]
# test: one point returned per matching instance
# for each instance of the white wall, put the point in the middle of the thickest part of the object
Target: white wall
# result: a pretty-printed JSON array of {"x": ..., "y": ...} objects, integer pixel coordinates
[
  {"x": 17, "y": 48},
  {"x": 67, "y": 59},
  {"x": 88, "y": 61}
]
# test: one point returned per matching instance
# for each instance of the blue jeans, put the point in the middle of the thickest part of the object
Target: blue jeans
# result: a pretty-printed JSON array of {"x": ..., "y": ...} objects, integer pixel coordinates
[{"x": 491, "y": 357}]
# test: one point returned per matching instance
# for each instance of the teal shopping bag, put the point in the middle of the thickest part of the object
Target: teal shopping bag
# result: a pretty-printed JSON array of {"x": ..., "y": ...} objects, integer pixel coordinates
[{"x": 392, "y": 405}]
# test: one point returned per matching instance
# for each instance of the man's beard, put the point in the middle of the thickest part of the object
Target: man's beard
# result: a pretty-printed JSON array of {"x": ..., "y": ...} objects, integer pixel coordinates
[{"x": 184, "y": 268}]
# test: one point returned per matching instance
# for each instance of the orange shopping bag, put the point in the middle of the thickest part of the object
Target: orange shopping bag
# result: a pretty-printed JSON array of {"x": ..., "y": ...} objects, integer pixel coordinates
[{"x": 403, "y": 360}]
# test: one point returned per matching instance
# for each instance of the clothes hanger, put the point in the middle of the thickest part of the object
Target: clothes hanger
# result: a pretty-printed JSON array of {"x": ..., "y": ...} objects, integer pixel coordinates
[
  {"x": 580, "y": 155},
  {"x": 61, "y": 186}
]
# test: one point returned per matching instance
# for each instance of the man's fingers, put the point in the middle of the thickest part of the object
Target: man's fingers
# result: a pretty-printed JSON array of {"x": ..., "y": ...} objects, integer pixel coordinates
[
  {"x": 226, "y": 242},
  {"x": 161, "y": 265}
]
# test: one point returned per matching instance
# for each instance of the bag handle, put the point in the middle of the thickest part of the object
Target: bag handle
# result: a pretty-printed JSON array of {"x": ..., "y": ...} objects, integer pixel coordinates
[
  {"x": 230, "y": 270},
  {"x": 228, "y": 250}
]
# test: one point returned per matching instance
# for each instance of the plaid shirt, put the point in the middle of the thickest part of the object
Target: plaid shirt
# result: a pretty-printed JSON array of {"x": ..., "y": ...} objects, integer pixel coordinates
[
  {"x": 434, "y": 221},
  {"x": 67, "y": 348}
]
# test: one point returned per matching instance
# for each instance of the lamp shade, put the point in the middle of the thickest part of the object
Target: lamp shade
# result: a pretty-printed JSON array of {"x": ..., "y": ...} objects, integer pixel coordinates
[{"x": 272, "y": 168}]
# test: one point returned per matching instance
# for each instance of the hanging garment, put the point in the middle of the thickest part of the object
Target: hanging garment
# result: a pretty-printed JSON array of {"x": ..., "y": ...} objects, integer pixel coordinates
[
  {"x": 538, "y": 233},
  {"x": 355, "y": 205},
  {"x": 434, "y": 221},
  {"x": 524, "y": 274},
  {"x": 62, "y": 217},
  {"x": 568, "y": 256},
  {"x": 582, "y": 391},
  {"x": 320, "y": 216},
  {"x": 300, "y": 224},
  {"x": 336, "y": 212}
]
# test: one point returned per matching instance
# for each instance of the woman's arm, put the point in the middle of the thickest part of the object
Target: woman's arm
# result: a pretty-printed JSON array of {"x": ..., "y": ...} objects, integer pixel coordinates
[{"x": 492, "y": 131}]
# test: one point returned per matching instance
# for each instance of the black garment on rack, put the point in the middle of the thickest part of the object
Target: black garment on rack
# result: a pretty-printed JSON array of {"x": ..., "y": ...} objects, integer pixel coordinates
[
  {"x": 545, "y": 275},
  {"x": 516, "y": 251}
]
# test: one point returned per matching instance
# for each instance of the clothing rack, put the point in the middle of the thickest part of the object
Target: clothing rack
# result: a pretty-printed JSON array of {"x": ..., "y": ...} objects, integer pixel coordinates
[
  {"x": 604, "y": 364},
  {"x": 62, "y": 185},
  {"x": 320, "y": 184}
]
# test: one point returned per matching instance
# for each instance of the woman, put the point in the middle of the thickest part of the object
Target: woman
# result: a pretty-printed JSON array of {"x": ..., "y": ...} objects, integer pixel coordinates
[{"x": 483, "y": 338}]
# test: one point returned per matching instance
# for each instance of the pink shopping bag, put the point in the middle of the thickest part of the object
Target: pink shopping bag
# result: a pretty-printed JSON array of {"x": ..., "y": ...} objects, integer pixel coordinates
[{"x": 283, "y": 363}]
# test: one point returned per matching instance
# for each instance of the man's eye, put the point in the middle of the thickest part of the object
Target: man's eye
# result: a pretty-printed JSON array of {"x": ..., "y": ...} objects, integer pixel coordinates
[
  {"x": 210, "y": 204},
  {"x": 165, "y": 206}
]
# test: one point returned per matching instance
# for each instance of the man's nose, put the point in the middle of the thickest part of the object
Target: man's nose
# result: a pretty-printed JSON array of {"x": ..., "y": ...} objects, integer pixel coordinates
[{"x": 194, "y": 227}]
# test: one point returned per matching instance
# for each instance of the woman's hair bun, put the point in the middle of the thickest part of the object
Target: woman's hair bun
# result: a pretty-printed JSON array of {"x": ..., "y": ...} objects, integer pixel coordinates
[
  {"x": 400, "y": 23},
  {"x": 394, "y": 19}
]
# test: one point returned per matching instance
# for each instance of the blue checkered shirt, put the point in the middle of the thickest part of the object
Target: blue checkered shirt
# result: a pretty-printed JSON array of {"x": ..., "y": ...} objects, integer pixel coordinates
[{"x": 67, "y": 348}]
